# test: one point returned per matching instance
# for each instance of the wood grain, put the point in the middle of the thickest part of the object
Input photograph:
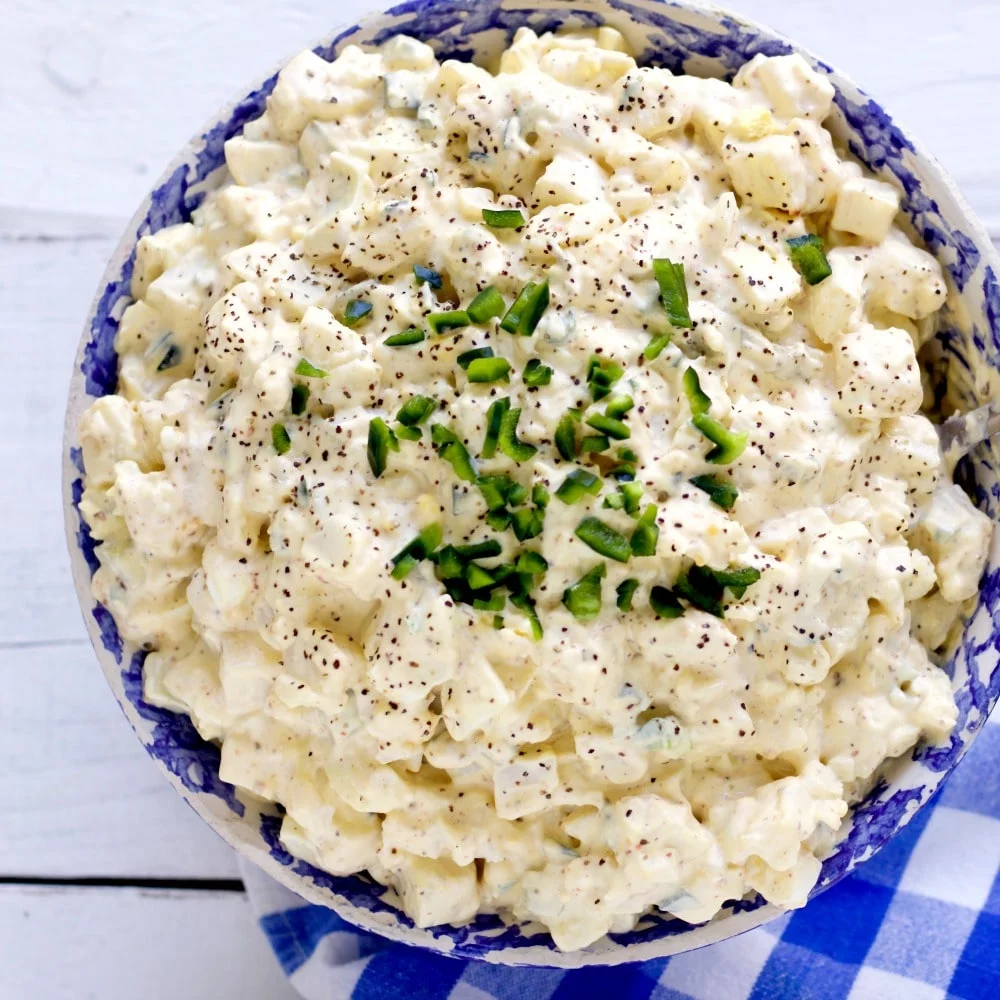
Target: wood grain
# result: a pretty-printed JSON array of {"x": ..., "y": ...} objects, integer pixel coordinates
[
  {"x": 48, "y": 283},
  {"x": 80, "y": 795}
]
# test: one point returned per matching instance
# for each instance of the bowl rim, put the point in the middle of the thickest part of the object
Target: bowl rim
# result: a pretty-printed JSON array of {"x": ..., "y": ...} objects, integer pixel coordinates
[{"x": 724, "y": 925}]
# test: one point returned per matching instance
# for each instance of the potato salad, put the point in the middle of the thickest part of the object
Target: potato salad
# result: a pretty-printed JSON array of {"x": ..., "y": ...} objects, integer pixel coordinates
[{"x": 520, "y": 473}]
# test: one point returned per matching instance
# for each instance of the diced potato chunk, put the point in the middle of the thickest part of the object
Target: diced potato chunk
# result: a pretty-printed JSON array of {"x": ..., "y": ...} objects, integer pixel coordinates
[
  {"x": 257, "y": 162},
  {"x": 905, "y": 279},
  {"x": 793, "y": 88},
  {"x": 766, "y": 283},
  {"x": 835, "y": 303},
  {"x": 770, "y": 172},
  {"x": 957, "y": 538},
  {"x": 879, "y": 372},
  {"x": 310, "y": 88},
  {"x": 569, "y": 179},
  {"x": 866, "y": 207},
  {"x": 525, "y": 786},
  {"x": 437, "y": 891}
]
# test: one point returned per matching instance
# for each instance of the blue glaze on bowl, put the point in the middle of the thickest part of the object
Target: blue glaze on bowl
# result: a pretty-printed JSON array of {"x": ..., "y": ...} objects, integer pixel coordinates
[{"x": 682, "y": 37}]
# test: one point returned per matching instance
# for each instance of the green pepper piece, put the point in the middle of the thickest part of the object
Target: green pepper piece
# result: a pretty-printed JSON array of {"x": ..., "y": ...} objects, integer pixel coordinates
[
  {"x": 533, "y": 563},
  {"x": 722, "y": 493},
  {"x": 809, "y": 258},
  {"x": 578, "y": 484},
  {"x": 308, "y": 370},
  {"x": 539, "y": 495},
  {"x": 616, "y": 429},
  {"x": 479, "y": 550},
  {"x": 527, "y": 523},
  {"x": 495, "y": 490},
  {"x": 477, "y": 577},
  {"x": 494, "y": 419},
  {"x": 516, "y": 493},
  {"x": 743, "y": 576},
  {"x": 536, "y": 374},
  {"x": 427, "y": 276},
  {"x": 565, "y": 436},
  {"x": 415, "y": 410},
  {"x": 458, "y": 590},
  {"x": 583, "y": 598},
  {"x": 603, "y": 539},
  {"x": 700, "y": 590},
  {"x": 449, "y": 563},
  {"x": 498, "y": 520},
  {"x": 728, "y": 444},
  {"x": 618, "y": 406},
  {"x": 420, "y": 548},
  {"x": 602, "y": 375},
  {"x": 441, "y": 435},
  {"x": 626, "y": 591},
  {"x": 406, "y": 565},
  {"x": 381, "y": 441},
  {"x": 404, "y": 339},
  {"x": 487, "y": 305},
  {"x": 503, "y": 218},
  {"x": 355, "y": 311},
  {"x": 664, "y": 603},
  {"x": 489, "y": 370},
  {"x": 646, "y": 533},
  {"x": 673, "y": 291},
  {"x": 405, "y": 433},
  {"x": 454, "y": 452},
  {"x": 280, "y": 439},
  {"x": 632, "y": 494},
  {"x": 657, "y": 346},
  {"x": 465, "y": 359},
  {"x": 698, "y": 400},
  {"x": 300, "y": 397},
  {"x": 595, "y": 443},
  {"x": 526, "y": 310},
  {"x": 506, "y": 573},
  {"x": 494, "y": 603},
  {"x": 508, "y": 442},
  {"x": 453, "y": 319},
  {"x": 457, "y": 456},
  {"x": 526, "y": 604}
]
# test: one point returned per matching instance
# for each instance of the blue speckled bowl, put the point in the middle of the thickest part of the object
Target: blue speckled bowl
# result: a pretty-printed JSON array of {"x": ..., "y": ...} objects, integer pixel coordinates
[{"x": 680, "y": 36}]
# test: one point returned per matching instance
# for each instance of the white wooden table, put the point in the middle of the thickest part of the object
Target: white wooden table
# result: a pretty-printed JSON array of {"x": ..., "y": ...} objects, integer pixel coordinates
[{"x": 109, "y": 886}]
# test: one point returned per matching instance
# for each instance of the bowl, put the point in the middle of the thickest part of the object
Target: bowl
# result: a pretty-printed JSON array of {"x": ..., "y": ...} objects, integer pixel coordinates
[{"x": 682, "y": 36}]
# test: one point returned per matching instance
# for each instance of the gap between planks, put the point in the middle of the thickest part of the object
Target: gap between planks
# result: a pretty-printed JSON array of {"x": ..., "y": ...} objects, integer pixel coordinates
[{"x": 100, "y": 882}]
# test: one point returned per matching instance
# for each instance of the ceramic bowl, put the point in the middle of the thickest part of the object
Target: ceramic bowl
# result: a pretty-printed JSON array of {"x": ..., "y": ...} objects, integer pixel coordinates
[{"x": 683, "y": 37}]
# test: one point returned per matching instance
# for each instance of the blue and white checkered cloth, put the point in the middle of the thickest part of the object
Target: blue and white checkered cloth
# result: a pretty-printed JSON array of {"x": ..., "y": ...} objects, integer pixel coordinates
[{"x": 920, "y": 921}]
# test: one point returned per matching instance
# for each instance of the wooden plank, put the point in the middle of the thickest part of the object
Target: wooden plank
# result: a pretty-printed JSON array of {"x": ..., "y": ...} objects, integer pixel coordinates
[
  {"x": 80, "y": 795},
  {"x": 119, "y": 944},
  {"x": 124, "y": 86},
  {"x": 44, "y": 298},
  {"x": 71, "y": 72}
]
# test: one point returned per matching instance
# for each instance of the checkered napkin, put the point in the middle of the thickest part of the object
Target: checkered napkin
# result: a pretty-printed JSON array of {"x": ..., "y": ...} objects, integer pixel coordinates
[{"x": 920, "y": 921}]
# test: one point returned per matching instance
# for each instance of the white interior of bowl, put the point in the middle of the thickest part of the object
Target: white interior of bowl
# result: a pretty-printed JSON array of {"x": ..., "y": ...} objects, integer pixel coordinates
[{"x": 660, "y": 33}]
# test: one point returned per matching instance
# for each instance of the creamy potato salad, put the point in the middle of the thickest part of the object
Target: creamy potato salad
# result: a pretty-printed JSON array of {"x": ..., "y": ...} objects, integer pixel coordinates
[{"x": 521, "y": 475}]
